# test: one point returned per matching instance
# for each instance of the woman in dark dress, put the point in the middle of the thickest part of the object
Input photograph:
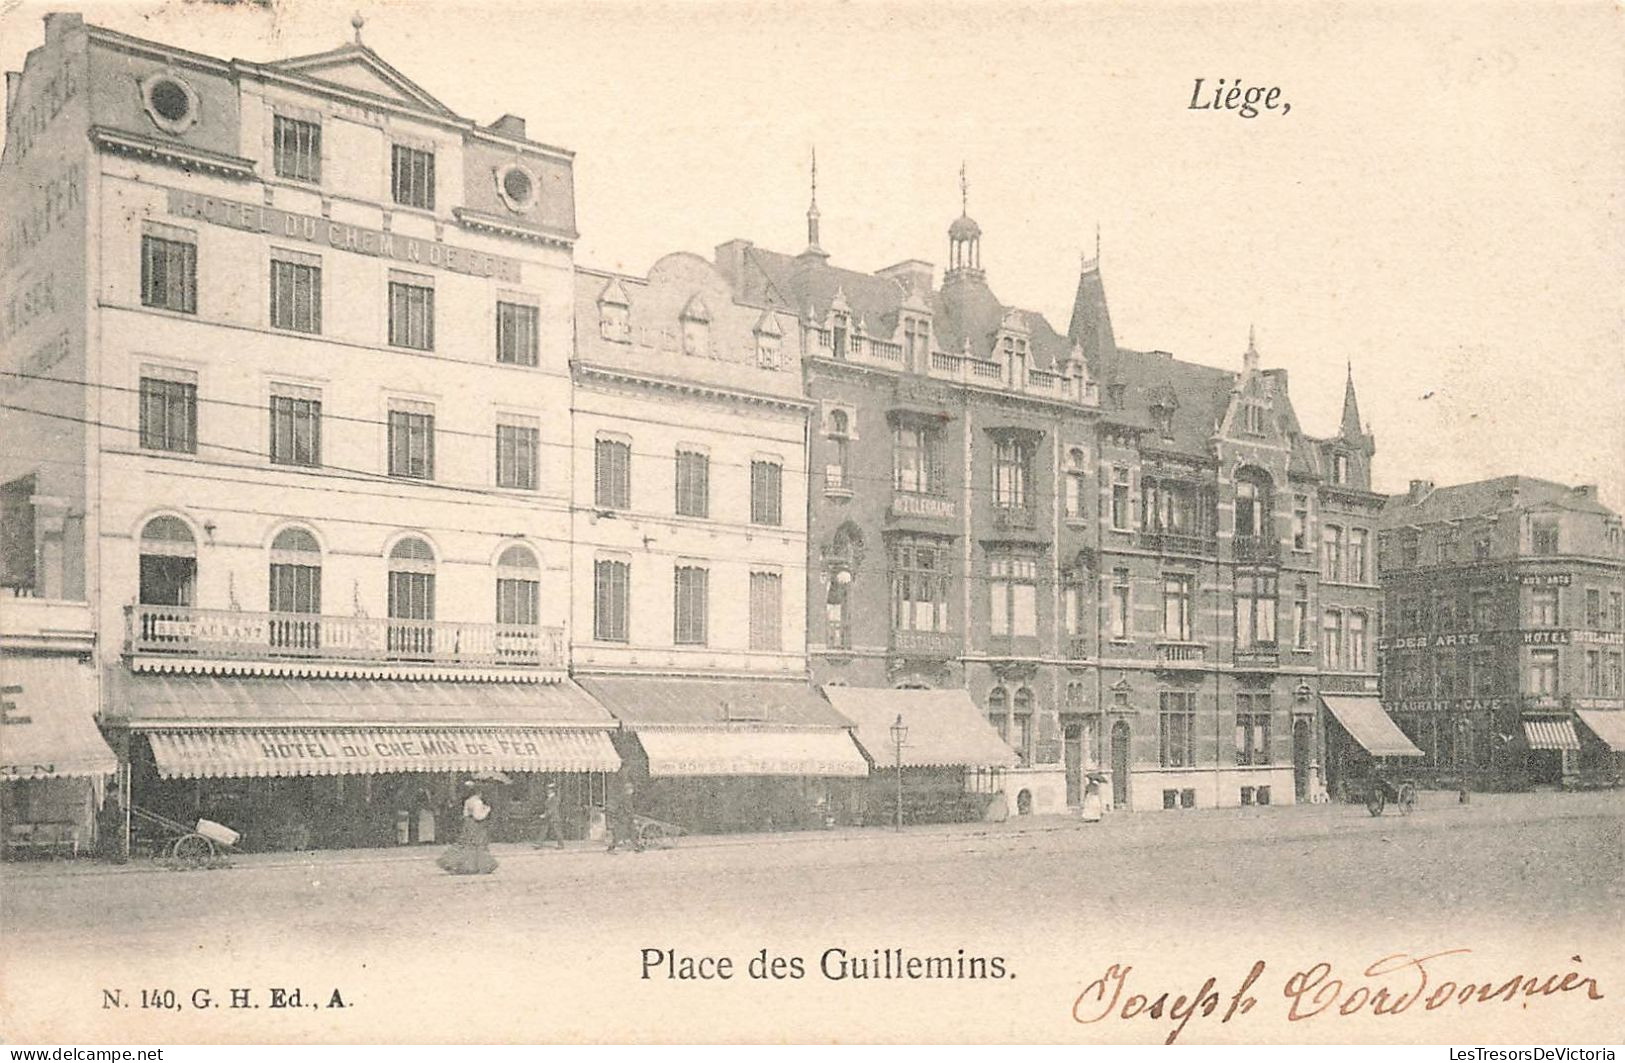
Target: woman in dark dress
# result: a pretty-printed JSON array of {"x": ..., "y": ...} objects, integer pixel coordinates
[{"x": 471, "y": 855}]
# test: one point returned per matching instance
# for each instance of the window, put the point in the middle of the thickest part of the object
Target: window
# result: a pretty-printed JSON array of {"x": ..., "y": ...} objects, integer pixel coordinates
[
  {"x": 518, "y": 447},
  {"x": 411, "y": 598},
  {"x": 1543, "y": 603},
  {"x": 612, "y": 474},
  {"x": 1543, "y": 672},
  {"x": 1593, "y": 608},
  {"x": 518, "y": 587},
  {"x": 296, "y": 294},
  {"x": 1340, "y": 468},
  {"x": 693, "y": 484},
  {"x": 998, "y": 712},
  {"x": 295, "y": 587},
  {"x": 19, "y": 554},
  {"x": 412, "y": 177},
  {"x": 516, "y": 333},
  {"x": 840, "y": 564},
  {"x": 1358, "y": 657},
  {"x": 1481, "y": 549},
  {"x": 1481, "y": 673},
  {"x": 297, "y": 148},
  {"x": 612, "y": 582},
  {"x": 1593, "y": 676},
  {"x": 1302, "y": 626},
  {"x": 1252, "y": 419},
  {"x": 169, "y": 273},
  {"x": 411, "y": 316},
  {"x": 1410, "y": 551},
  {"x": 411, "y": 441},
  {"x": 1255, "y": 611},
  {"x": 615, "y": 321},
  {"x": 1120, "y": 607},
  {"x": 835, "y": 473},
  {"x": 1331, "y": 552},
  {"x": 1252, "y": 728},
  {"x": 1616, "y": 673},
  {"x": 917, "y": 342},
  {"x": 168, "y": 563},
  {"x": 1077, "y": 484},
  {"x": 168, "y": 415},
  {"x": 296, "y": 425},
  {"x": 766, "y": 610},
  {"x": 1357, "y": 555},
  {"x": 1013, "y": 596},
  {"x": 1444, "y": 552},
  {"x": 517, "y": 188},
  {"x": 1120, "y": 498},
  {"x": 696, "y": 322},
  {"x": 1331, "y": 643},
  {"x": 838, "y": 331},
  {"x": 1177, "y": 730},
  {"x": 920, "y": 585},
  {"x": 1544, "y": 535},
  {"x": 1616, "y": 610},
  {"x": 1010, "y": 474},
  {"x": 1300, "y": 522},
  {"x": 917, "y": 463},
  {"x": 1483, "y": 609},
  {"x": 1021, "y": 707},
  {"x": 766, "y": 492},
  {"x": 1253, "y": 504},
  {"x": 1410, "y": 615},
  {"x": 1176, "y": 607},
  {"x": 689, "y": 601}
]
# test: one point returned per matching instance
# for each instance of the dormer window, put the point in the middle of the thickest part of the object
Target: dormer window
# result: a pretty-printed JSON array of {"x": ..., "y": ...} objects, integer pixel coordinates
[
  {"x": 1117, "y": 396},
  {"x": 1340, "y": 468},
  {"x": 917, "y": 342},
  {"x": 1252, "y": 418},
  {"x": 769, "y": 342},
  {"x": 840, "y": 327},
  {"x": 696, "y": 322},
  {"x": 1162, "y": 417},
  {"x": 1015, "y": 359},
  {"x": 614, "y": 313}
]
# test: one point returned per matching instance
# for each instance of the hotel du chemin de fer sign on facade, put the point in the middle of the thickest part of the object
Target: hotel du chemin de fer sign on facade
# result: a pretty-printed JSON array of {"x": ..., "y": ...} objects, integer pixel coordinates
[{"x": 333, "y": 479}]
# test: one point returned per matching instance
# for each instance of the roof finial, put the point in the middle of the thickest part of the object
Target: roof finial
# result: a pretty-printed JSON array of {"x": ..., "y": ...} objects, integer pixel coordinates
[
  {"x": 964, "y": 192},
  {"x": 815, "y": 177},
  {"x": 1250, "y": 359},
  {"x": 812, "y": 208},
  {"x": 1097, "y": 241},
  {"x": 356, "y": 22}
]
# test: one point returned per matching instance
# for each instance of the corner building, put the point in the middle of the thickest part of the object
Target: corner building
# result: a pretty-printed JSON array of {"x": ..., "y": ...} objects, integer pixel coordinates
[{"x": 291, "y": 413}]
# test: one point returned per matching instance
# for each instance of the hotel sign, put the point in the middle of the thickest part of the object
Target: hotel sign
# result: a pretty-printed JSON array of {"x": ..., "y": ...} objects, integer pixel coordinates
[
  {"x": 255, "y": 218},
  {"x": 1600, "y": 638},
  {"x": 1425, "y": 642}
]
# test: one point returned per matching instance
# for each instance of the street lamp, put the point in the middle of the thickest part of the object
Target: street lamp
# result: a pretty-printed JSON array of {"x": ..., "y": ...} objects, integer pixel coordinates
[{"x": 898, "y": 734}]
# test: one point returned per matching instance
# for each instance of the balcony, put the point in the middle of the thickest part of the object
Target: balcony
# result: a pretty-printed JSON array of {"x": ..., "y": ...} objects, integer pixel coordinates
[
  {"x": 1014, "y": 518},
  {"x": 222, "y": 634},
  {"x": 1178, "y": 543},
  {"x": 939, "y": 644},
  {"x": 1257, "y": 549},
  {"x": 1181, "y": 656},
  {"x": 921, "y": 506},
  {"x": 1259, "y": 657}
]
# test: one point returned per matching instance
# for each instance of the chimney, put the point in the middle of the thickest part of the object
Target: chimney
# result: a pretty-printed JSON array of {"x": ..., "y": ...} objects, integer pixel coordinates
[
  {"x": 58, "y": 23},
  {"x": 509, "y": 125},
  {"x": 730, "y": 260},
  {"x": 1420, "y": 489},
  {"x": 913, "y": 274}
]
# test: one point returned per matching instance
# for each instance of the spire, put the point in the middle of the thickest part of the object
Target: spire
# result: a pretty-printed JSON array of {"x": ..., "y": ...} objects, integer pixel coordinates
[
  {"x": 1249, "y": 360},
  {"x": 1087, "y": 264},
  {"x": 964, "y": 192},
  {"x": 1351, "y": 408},
  {"x": 813, "y": 247}
]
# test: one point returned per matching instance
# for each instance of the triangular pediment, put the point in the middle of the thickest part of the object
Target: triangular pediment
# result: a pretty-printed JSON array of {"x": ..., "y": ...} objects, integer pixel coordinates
[{"x": 359, "y": 68}]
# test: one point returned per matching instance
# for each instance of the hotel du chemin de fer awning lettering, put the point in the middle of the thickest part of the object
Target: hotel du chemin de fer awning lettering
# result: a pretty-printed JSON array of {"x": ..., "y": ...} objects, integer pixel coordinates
[{"x": 254, "y": 217}]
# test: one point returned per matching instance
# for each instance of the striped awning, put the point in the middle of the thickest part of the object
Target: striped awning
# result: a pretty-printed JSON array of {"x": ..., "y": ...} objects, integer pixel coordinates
[
  {"x": 48, "y": 720},
  {"x": 1551, "y": 734},
  {"x": 262, "y": 752},
  {"x": 687, "y": 753},
  {"x": 1609, "y": 726}
]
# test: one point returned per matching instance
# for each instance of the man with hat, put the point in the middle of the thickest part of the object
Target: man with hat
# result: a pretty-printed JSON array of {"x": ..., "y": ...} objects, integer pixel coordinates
[{"x": 552, "y": 818}]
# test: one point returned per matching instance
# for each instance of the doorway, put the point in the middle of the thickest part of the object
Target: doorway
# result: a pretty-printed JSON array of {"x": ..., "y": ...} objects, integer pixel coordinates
[
  {"x": 1120, "y": 764},
  {"x": 1303, "y": 748},
  {"x": 1072, "y": 755}
]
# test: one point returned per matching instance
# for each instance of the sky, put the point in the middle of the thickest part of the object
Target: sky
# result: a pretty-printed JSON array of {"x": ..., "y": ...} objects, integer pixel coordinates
[{"x": 1440, "y": 208}]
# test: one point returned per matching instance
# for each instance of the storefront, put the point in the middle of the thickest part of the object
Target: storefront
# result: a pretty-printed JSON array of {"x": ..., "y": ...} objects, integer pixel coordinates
[
  {"x": 952, "y": 761},
  {"x": 54, "y": 763},
  {"x": 295, "y": 763},
  {"x": 718, "y": 756},
  {"x": 1358, "y": 732},
  {"x": 1552, "y": 750},
  {"x": 1602, "y": 749}
]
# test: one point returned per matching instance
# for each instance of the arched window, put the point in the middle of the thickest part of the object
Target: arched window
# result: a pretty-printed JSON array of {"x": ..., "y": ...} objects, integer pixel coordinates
[
  {"x": 411, "y": 598},
  {"x": 1253, "y": 504},
  {"x": 168, "y": 563},
  {"x": 295, "y": 588},
  {"x": 998, "y": 711},
  {"x": 518, "y": 587},
  {"x": 842, "y": 558},
  {"x": 835, "y": 473},
  {"x": 1023, "y": 711},
  {"x": 1077, "y": 484}
]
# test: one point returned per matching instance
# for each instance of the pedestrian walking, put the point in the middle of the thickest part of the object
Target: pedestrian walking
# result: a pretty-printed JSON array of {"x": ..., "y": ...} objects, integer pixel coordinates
[
  {"x": 471, "y": 854},
  {"x": 624, "y": 830},
  {"x": 552, "y": 818}
]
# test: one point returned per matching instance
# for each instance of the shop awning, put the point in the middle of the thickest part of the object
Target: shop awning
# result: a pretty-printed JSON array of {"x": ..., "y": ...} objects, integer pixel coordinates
[
  {"x": 1551, "y": 734},
  {"x": 687, "y": 703},
  {"x": 756, "y": 752},
  {"x": 48, "y": 720},
  {"x": 944, "y": 727},
  {"x": 203, "y": 753},
  {"x": 1368, "y": 724},
  {"x": 1607, "y": 726}
]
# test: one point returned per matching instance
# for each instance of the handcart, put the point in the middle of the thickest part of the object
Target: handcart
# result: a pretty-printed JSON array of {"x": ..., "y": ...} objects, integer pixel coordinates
[
  {"x": 205, "y": 844},
  {"x": 656, "y": 831},
  {"x": 1381, "y": 788}
]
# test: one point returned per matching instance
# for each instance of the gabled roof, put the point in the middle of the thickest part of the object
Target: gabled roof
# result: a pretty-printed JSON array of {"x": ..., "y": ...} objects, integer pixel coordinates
[
  {"x": 1203, "y": 393},
  {"x": 357, "y": 68},
  {"x": 1487, "y": 497}
]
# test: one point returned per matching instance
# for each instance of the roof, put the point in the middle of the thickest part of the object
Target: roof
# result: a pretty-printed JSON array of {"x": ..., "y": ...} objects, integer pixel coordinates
[
  {"x": 944, "y": 727},
  {"x": 1484, "y": 498},
  {"x": 1201, "y": 395},
  {"x": 1368, "y": 724},
  {"x": 50, "y": 717},
  {"x": 176, "y": 700},
  {"x": 715, "y": 704}
]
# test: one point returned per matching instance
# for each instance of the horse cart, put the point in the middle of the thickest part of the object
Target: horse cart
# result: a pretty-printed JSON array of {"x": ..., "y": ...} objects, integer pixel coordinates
[{"x": 204, "y": 844}]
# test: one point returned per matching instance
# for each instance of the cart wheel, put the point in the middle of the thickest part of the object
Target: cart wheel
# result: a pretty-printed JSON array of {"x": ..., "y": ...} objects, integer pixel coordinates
[
  {"x": 193, "y": 850},
  {"x": 1375, "y": 799},
  {"x": 1407, "y": 799},
  {"x": 653, "y": 834}
]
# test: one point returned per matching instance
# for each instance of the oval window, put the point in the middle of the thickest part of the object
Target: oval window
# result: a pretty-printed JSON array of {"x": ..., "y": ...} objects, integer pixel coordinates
[
  {"x": 170, "y": 102},
  {"x": 517, "y": 187}
]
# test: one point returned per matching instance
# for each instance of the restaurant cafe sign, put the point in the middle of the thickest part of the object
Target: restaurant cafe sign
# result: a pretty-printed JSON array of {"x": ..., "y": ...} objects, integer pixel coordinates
[
  {"x": 1447, "y": 705},
  {"x": 256, "y": 218}
]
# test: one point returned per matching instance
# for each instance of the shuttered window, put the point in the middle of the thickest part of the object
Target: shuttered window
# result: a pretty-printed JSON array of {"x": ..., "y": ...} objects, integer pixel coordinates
[
  {"x": 168, "y": 415},
  {"x": 298, "y": 149},
  {"x": 517, "y": 447},
  {"x": 690, "y": 600},
  {"x": 766, "y": 492},
  {"x": 411, "y": 444},
  {"x": 516, "y": 334},
  {"x": 411, "y": 316},
  {"x": 766, "y": 610},
  {"x": 693, "y": 484},
  {"x": 611, "y": 600},
  {"x": 169, "y": 274},
  {"x": 412, "y": 177},
  {"x": 612, "y": 474},
  {"x": 296, "y": 296}
]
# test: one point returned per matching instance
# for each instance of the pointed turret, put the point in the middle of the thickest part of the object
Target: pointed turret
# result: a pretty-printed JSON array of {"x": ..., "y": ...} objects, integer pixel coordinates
[
  {"x": 1091, "y": 327},
  {"x": 813, "y": 247},
  {"x": 1249, "y": 360},
  {"x": 1351, "y": 409}
]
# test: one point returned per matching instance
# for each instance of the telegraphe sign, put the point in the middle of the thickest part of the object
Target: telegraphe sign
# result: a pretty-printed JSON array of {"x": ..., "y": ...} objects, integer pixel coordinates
[{"x": 254, "y": 217}]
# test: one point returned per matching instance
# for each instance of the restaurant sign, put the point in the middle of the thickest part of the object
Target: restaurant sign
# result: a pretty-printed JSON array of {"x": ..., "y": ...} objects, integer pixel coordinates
[
  {"x": 253, "y": 217},
  {"x": 1459, "y": 705}
]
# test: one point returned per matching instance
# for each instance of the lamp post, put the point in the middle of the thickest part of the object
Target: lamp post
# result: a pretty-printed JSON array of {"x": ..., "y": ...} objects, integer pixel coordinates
[{"x": 898, "y": 734}]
